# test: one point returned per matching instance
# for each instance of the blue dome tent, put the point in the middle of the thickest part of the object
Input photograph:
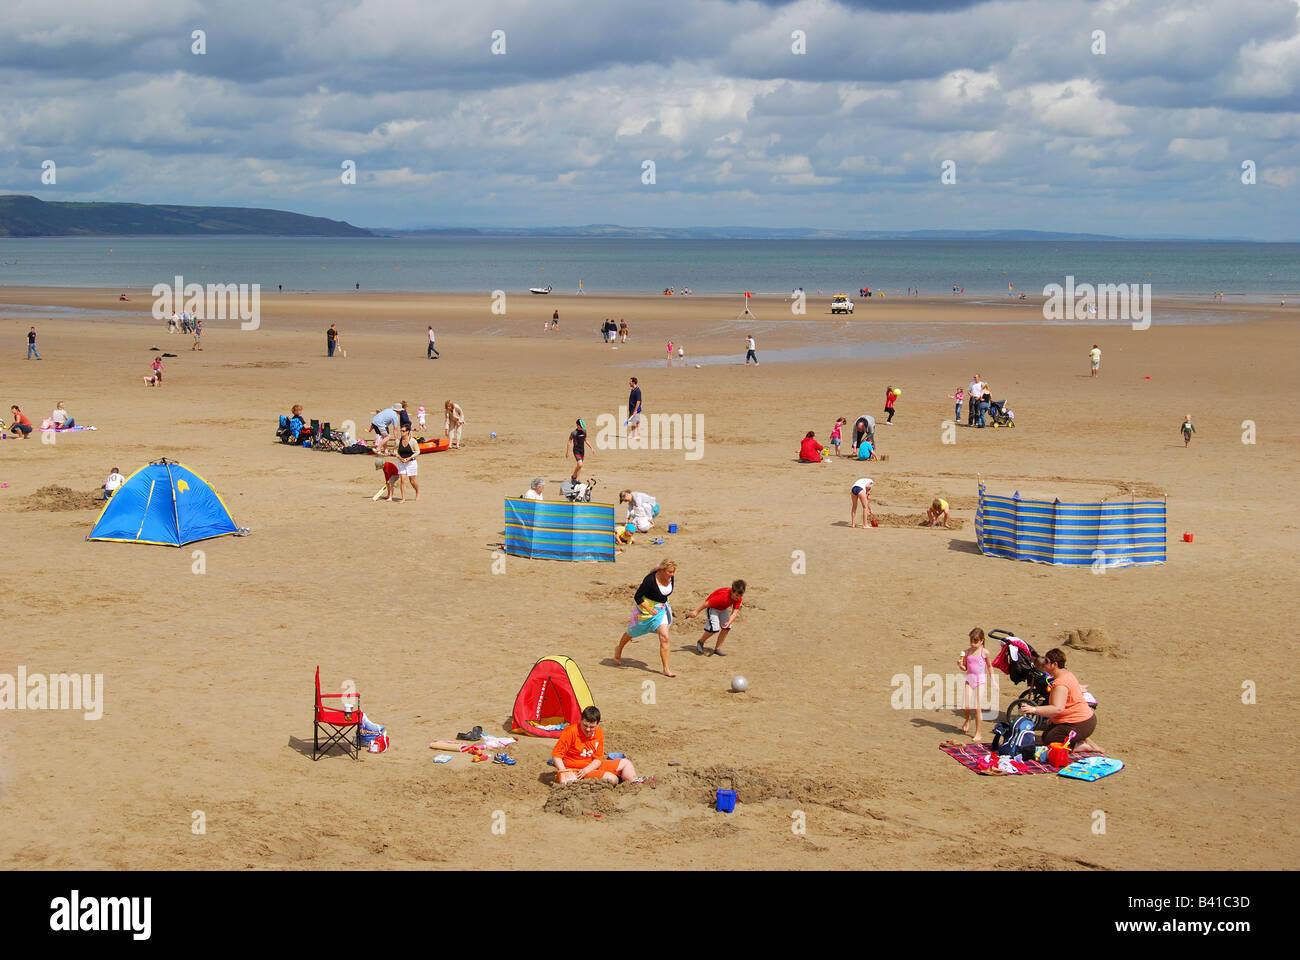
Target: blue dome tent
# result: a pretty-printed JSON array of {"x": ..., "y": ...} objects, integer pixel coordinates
[{"x": 165, "y": 503}]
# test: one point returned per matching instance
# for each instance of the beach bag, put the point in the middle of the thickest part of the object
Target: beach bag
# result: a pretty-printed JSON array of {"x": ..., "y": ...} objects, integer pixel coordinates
[
  {"x": 372, "y": 732},
  {"x": 1021, "y": 741},
  {"x": 1000, "y": 731},
  {"x": 356, "y": 448}
]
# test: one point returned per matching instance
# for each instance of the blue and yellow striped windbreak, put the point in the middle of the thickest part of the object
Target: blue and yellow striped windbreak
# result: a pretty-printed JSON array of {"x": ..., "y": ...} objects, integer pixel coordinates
[{"x": 1117, "y": 533}]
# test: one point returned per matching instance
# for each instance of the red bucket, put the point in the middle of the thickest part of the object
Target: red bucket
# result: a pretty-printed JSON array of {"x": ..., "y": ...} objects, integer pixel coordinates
[{"x": 1187, "y": 538}]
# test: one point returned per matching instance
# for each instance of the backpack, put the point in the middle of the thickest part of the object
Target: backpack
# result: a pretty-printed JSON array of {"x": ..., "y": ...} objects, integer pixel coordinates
[{"x": 1020, "y": 739}]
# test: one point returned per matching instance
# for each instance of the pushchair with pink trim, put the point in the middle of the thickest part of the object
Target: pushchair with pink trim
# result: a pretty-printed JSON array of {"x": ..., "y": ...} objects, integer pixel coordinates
[{"x": 1020, "y": 662}]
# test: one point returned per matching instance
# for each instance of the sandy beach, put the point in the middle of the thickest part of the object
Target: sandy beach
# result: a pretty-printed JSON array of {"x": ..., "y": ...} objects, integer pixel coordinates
[{"x": 207, "y": 675}]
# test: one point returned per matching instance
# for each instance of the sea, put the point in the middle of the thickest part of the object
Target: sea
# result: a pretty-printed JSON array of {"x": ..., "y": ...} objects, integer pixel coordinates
[{"x": 1242, "y": 271}]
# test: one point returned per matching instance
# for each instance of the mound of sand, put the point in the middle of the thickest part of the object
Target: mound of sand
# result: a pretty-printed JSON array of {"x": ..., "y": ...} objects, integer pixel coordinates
[
  {"x": 1092, "y": 640},
  {"x": 54, "y": 497},
  {"x": 914, "y": 520}
]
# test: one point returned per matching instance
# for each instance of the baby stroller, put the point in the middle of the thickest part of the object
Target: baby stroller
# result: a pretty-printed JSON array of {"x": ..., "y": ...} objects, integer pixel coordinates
[
  {"x": 1019, "y": 661},
  {"x": 1000, "y": 415},
  {"x": 579, "y": 492}
]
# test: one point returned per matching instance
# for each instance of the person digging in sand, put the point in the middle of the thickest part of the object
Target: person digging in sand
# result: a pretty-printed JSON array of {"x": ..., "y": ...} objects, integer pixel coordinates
[
  {"x": 860, "y": 493},
  {"x": 723, "y": 605},
  {"x": 938, "y": 511},
  {"x": 579, "y": 754},
  {"x": 651, "y": 612}
]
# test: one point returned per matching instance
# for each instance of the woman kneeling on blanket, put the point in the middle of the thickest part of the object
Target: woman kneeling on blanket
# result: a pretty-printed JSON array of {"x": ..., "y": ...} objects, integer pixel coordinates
[{"x": 1067, "y": 711}]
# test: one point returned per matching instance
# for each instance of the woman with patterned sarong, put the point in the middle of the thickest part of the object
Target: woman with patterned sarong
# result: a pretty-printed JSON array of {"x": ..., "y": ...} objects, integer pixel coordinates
[{"x": 651, "y": 612}]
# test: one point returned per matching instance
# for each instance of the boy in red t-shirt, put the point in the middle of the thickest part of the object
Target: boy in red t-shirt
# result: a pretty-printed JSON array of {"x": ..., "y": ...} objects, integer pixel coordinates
[
  {"x": 719, "y": 621},
  {"x": 579, "y": 754}
]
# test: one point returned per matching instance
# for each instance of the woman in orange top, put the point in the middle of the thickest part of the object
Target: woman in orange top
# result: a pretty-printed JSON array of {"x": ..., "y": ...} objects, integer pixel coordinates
[
  {"x": 1067, "y": 710},
  {"x": 579, "y": 754}
]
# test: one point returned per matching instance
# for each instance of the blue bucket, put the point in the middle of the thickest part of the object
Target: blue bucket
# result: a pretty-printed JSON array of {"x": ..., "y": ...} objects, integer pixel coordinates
[
  {"x": 306, "y": 443},
  {"x": 726, "y": 801},
  {"x": 672, "y": 528}
]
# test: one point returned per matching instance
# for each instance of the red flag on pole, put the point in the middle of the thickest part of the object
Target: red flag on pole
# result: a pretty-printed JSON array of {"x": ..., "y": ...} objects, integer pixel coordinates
[{"x": 748, "y": 294}]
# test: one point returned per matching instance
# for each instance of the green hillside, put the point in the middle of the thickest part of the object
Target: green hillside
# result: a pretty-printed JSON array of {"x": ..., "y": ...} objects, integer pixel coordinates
[{"x": 23, "y": 216}]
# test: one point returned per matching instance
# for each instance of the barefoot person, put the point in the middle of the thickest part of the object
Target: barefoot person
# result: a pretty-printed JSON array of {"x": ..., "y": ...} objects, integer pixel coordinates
[
  {"x": 641, "y": 508},
  {"x": 633, "y": 410},
  {"x": 19, "y": 424},
  {"x": 384, "y": 424},
  {"x": 860, "y": 495},
  {"x": 723, "y": 605},
  {"x": 578, "y": 441},
  {"x": 579, "y": 753},
  {"x": 938, "y": 511},
  {"x": 1067, "y": 711},
  {"x": 390, "y": 478},
  {"x": 974, "y": 661},
  {"x": 453, "y": 422},
  {"x": 407, "y": 466},
  {"x": 651, "y": 612}
]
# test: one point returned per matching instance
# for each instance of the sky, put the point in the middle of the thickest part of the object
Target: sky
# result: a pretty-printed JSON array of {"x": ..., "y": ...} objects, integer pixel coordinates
[{"x": 1116, "y": 117}]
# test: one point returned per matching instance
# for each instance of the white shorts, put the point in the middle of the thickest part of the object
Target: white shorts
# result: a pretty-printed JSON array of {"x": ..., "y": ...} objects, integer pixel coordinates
[{"x": 409, "y": 469}]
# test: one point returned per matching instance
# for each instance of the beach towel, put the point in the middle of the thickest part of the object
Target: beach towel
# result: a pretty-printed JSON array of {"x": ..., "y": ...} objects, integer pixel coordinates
[
  {"x": 970, "y": 754},
  {"x": 1092, "y": 768}
]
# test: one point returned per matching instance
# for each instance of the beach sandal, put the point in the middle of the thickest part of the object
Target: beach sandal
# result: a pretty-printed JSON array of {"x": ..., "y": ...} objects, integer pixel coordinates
[
  {"x": 718, "y": 653},
  {"x": 658, "y": 541},
  {"x": 505, "y": 760},
  {"x": 475, "y": 734}
]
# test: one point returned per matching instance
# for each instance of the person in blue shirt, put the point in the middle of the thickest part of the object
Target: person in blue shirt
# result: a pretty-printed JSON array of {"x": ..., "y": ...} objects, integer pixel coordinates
[{"x": 384, "y": 424}]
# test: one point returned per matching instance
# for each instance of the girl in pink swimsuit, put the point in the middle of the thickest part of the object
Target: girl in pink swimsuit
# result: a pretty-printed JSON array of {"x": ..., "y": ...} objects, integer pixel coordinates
[{"x": 975, "y": 661}]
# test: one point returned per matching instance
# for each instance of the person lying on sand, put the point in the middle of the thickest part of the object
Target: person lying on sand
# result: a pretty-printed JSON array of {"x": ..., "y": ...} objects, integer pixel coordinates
[{"x": 579, "y": 753}]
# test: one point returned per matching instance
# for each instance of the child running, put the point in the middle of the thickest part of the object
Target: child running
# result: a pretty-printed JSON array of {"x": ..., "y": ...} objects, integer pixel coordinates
[
  {"x": 974, "y": 660},
  {"x": 835, "y": 434},
  {"x": 1187, "y": 430},
  {"x": 718, "y": 620}
]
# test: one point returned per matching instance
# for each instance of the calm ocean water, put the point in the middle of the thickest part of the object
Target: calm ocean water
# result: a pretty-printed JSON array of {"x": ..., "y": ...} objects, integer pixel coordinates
[{"x": 1253, "y": 271}]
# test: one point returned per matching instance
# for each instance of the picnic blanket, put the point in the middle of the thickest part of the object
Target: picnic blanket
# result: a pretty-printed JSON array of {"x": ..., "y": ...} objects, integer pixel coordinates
[{"x": 969, "y": 754}]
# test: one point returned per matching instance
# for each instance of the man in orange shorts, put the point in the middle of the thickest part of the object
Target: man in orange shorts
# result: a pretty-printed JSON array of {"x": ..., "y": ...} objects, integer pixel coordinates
[{"x": 579, "y": 754}]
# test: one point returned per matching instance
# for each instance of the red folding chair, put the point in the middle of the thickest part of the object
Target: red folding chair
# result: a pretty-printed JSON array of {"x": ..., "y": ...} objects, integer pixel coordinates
[{"x": 342, "y": 726}]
